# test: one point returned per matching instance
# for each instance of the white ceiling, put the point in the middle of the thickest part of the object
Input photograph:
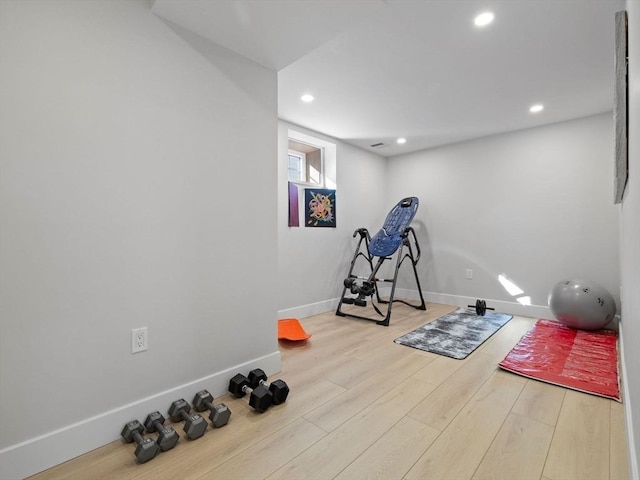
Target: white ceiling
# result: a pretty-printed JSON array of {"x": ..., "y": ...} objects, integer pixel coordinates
[{"x": 419, "y": 69}]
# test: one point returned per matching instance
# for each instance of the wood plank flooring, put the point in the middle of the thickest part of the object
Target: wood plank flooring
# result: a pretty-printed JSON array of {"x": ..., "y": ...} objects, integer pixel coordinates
[{"x": 362, "y": 407}]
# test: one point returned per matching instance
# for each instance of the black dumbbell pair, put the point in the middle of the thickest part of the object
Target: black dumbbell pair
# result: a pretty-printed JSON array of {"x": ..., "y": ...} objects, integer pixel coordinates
[{"x": 261, "y": 393}]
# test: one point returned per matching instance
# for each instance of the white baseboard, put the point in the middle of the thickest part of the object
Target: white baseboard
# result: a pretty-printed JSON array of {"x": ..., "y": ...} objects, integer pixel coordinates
[
  {"x": 634, "y": 468},
  {"x": 513, "y": 308},
  {"x": 38, "y": 454},
  {"x": 309, "y": 309}
]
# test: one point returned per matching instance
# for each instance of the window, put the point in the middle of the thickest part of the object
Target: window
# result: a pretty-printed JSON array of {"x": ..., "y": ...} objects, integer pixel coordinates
[
  {"x": 311, "y": 160},
  {"x": 306, "y": 163},
  {"x": 297, "y": 166}
]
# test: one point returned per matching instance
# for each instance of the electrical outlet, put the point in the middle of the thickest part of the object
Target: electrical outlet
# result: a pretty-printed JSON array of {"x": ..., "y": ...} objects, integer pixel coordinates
[
  {"x": 469, "y": 274},
  {"x": 139, "y": 340}
]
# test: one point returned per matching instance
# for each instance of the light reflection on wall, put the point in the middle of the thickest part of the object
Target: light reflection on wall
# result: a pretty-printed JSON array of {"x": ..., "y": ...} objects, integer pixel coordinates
[{"x": 513, "y": 289}]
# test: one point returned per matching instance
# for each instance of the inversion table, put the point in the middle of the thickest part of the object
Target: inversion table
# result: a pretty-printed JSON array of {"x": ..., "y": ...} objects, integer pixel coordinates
[{"x": 393, "y": 238}]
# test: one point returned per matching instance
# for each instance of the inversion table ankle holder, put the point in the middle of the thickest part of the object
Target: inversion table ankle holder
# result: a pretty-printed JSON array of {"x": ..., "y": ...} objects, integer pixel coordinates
[{"x": 394, "y": 236}]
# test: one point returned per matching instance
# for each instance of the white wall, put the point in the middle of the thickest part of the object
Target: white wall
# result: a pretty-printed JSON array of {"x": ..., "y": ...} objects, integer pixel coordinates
[
  {"x": 630, "y": 249},
  {"x": 534, "y": 205},
  {"x": 313, "y": 262},
  {"x": 126, "y": 203}
]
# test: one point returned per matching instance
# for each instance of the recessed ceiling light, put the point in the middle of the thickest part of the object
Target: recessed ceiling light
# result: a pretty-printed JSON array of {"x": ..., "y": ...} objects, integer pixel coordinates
[
  {"x": 484, "y": 19},
  {"x": 401, "y": 140},
  {"x": 306, "y": 98},
  {"x": 536, "y": 108}
]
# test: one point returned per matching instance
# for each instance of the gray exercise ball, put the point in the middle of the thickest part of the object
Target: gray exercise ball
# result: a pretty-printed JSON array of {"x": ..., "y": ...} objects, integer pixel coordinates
[{"x": 582, "y": 304}]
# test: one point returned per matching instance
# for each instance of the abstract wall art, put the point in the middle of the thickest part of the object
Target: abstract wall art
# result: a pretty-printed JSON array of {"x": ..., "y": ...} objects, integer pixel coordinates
[{"x": 320, "y": 207}]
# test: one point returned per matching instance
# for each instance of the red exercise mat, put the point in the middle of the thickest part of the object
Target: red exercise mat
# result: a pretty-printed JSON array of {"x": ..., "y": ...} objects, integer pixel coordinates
[
  {"x": 290, "y": 329},
  {"x": 586, "y": 361}
]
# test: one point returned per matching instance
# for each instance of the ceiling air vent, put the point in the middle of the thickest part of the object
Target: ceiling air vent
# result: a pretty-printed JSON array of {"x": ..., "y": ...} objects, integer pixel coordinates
[{"x": 380, "y": 144}]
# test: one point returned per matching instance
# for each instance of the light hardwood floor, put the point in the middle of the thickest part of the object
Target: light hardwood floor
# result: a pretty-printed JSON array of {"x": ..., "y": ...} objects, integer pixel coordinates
[{"x": 363, "y": 407}]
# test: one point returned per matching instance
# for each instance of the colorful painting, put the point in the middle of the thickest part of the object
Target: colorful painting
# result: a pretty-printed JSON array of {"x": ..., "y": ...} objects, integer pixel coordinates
[{"x": 320, "y": 207}]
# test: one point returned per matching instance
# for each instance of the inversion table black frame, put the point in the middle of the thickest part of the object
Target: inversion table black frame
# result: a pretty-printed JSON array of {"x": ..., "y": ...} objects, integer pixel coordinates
[{"x": 395, "y": 236}]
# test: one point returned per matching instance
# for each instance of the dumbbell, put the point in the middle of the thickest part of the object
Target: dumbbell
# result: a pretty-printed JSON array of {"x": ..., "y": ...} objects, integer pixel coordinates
[
  {"x": 146, "y": 448},
  {"x": 167, "y": 436},
  {"x": 194, "y": 425},
  {"x": 260, "y": 398},
  {"x": 481, "y": 307},
  {"x": 278, "y": 388},
  {"x": 219, "y": 414}
]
